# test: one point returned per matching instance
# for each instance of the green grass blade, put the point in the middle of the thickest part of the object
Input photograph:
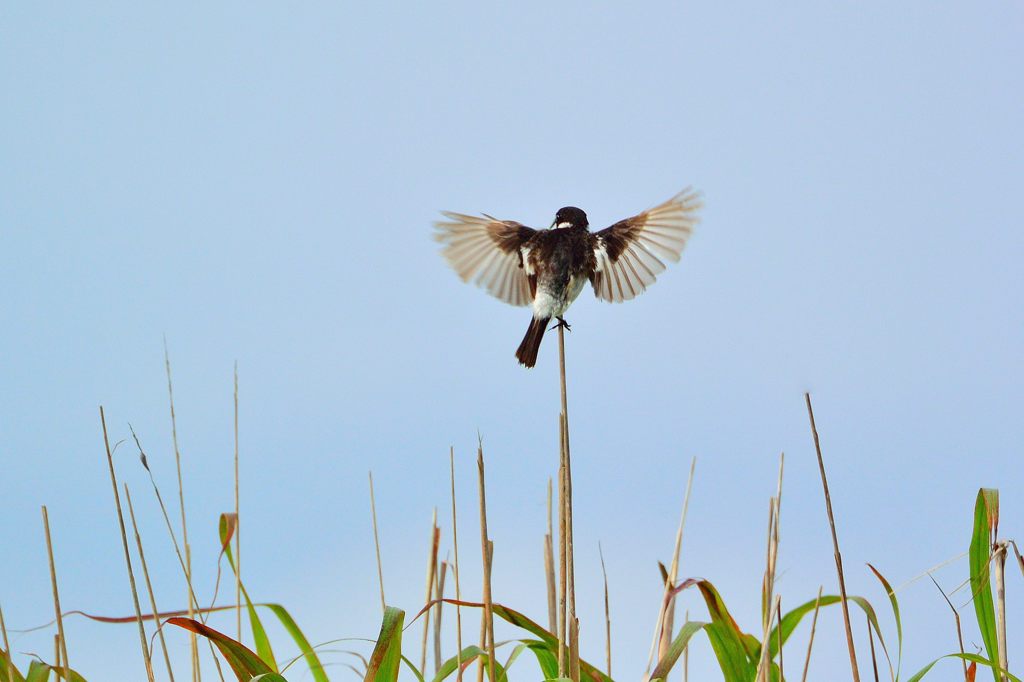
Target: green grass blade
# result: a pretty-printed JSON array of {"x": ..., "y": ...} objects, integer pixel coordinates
[
  {"x": 226, "y": 528},
  {"x": 974, "y": 658},
  {"x": 792, "y": 619},
  {"x": 546, "y": 658},
  {"x": 675, "y": 650},
  {"x": 448, "y": 667},
  {"x": 3, "y": 669},
  {"x": 413, "y": 668},
  {"x": 243, "y": 661},
  {"x": 986, "y": 514},
  {"x": 896, "y": 616},
  {"x": 269, "y": 677},
  {"x": 387, "y": 654},
  {"x": 37, "y": 672},
  {"x": 307, "y": 651},
  {"x": 727, "y": 640}
]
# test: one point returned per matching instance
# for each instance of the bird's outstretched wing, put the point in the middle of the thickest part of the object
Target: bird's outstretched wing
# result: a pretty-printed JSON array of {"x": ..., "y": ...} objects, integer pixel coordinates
[
  {"x": 632, "y": 252},
  {"x": 487, "y": 251}
]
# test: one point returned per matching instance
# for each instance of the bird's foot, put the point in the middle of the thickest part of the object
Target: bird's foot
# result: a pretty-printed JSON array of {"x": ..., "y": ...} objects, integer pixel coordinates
[{"x": 562, "y": 323}]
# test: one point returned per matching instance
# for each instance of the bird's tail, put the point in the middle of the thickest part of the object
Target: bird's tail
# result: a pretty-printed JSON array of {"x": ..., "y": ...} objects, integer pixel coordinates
[{"x": 527, "y": 353}]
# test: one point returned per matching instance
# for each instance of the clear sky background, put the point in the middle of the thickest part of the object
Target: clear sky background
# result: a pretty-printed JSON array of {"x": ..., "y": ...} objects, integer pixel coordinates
[{"x": 258, "y": 183}]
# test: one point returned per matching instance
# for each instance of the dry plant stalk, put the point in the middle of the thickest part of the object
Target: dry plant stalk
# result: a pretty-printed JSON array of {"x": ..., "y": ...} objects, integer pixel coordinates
[
  {"x": 487, "y": 548},
  {"x": 7, "y": 647},
  {"x": 956, "y": 618},
  {"x": 999, "y": 565},
  {"x": 439, "y": 596},
  {"x": 810, "y": 642},
  {"x": 567, "y": 536},
  {"x": 871, "y": 645},
  {"x": 238, "y": 526},
  {"x": 376, "y": 544},
  {"x": 764, "y": 664},
  {"x": 149, "y": 585},
  {"x": 455, "y": 569},
  {"x": 835, "y": 543},
  {"x": 63, "y": 647},
  {"x": 549, "y": 571},
  {"x": 607, "y": 614},
  {"x": 778, "y": 619},
  {"x": 193, "y": 642},
  {"x": 562, "y": 577},
  {"x": 127, "y": 555},
  {"x": 435, "y": 538},
  {"x": 668, "y": 599},
  {"x": 768, "y": 586}
]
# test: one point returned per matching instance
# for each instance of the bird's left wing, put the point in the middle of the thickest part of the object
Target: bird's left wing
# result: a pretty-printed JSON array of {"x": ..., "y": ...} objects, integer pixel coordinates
[
  {"x": 631, "y": 253},
  {"x": 487, "y": 251}
]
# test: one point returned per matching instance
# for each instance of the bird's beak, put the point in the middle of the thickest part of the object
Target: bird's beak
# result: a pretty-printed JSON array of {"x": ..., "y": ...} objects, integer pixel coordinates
[{"x": 553, "y": 222}]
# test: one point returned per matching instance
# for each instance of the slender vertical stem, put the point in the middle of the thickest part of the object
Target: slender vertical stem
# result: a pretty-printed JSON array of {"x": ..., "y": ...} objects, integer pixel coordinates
[
  {"x": 667, "y": 601},
  {"x": 127, "y": 555},
  {"x": 56, "y": 595},
  {"x": 607, "y": 613},
  {"x": 455, "y": 569},
  {"x": 686, "y": 654},
  {"x": 999, "y": 565},
  {"x": 7, "y": 648},
  {"x": 570, "y": 562},
  {"x": 810, "y": 642},
  {"x": 438, "y": 609},
  {"x": 778, "y": 619},
  {"x": 376, "y": 544},
  {"x": 871, "y": 645},
  {"x": 562, "y": 577},
  {"x": 238, "y": 526},
  {"x": 835, "y": 543},
  {"x": 488, "y": 550},
  {"x": 193, "y": 642},
  {"x": 431, "y": 577},
  {"x": 149, "y": 585},
  {"x": 549, "y": 571}
]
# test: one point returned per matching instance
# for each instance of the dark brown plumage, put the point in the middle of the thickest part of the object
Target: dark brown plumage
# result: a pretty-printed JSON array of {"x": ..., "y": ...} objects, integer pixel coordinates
[{"x": 548, "y": 268}]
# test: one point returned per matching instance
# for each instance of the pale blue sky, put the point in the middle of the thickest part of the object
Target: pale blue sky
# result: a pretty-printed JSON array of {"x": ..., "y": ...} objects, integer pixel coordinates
[{"x": 258, "y": 182}]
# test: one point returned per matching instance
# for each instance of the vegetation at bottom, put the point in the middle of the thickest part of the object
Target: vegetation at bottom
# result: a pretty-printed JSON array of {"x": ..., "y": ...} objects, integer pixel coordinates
[{"x": 751, "y": 653}]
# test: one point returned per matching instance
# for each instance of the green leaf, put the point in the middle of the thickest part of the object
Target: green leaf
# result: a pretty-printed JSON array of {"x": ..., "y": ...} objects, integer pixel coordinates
[
  {"x": 449, "y": 666},
  {"x": 675, "y": 650},
  {"x": 312, "y": 660},
  {"x": 37, "y": 672},
  {"x": 226, "y": 527},
  {"x": 244, "y": 662},
  {"x": 730, "y": 645},
  {"x": 269, "y": 677},
  {"x": 896, "y": 616},
  {"x": 974, "y": 658},
  {"x": 3, "y": 670},
  {"x": 986, "y": 518},
  {"x": 387, "y": 654}
]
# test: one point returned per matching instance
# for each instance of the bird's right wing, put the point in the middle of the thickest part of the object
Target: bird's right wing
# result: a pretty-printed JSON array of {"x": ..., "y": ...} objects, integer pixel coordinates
[
  {"x": 631, "y": 253},
  {"x": 487, "y": 251}
]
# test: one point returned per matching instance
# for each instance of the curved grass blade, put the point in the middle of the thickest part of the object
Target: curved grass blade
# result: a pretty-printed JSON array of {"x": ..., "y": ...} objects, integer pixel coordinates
[
  {"x": 269, "y": 677},
  {"x": 448, "y": 667},
  {"x": 973, "y": 658},
  {"x": 308, "y": 652},
  {"x": 413, "y": 668},
  {"x": 387, "y": 654},
  {"x": 40, "y": 672},
  {"x": 15, "y": 675},
  {"x": 896, "y": 617},
  {"x": 986, "y": 519},
  {"x": 243, "y": 661},
  {"x": 675, "y": 650},
  {"x": 226, "y": 529},
  {"x": 731, "y": 646}
]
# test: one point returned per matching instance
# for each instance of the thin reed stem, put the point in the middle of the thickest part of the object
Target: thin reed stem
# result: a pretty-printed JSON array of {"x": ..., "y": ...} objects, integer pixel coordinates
[
  {"x": 570, "y": 563},
  {"x": 439, "y": 596},
  {"x": 659, "y": 627},
  {"x": 835, "y": 543},
  {"x": 607, "y": 614},
  {"x": 376, "y": 545},
  {"x": 488, "y": 557},
  {"x": 193, "y": 642},
  {"x": 549, "y": 571},
  {"x": 149, "y": 585},
  {"x": 63, "y": 647},
  {"x": 431, "y": 568},
  {"x": 238, "y": 526},
  {"x": 956, "y": 617},
  {"x": 562, "y": 550},
  {"x": 455, "y": 569},
  {"x": 810, "y": 642},
  {"x": 127, "y": 554},
  {"x": 999, "y": 568},
  {"x": 7, "y": 647},
  {"x": 871, "y": 645}
]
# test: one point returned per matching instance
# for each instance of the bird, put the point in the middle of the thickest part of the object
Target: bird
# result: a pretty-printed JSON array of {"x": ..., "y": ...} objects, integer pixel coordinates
[{"x": 548, "y": 268}]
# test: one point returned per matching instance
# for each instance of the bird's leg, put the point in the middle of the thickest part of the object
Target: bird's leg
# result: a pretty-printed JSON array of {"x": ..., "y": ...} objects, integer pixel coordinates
[{"x": 562, "y": 323}]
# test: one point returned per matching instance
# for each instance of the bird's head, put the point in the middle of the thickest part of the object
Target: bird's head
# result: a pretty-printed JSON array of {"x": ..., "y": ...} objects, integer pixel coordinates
[{"x": 570, "y": 216}]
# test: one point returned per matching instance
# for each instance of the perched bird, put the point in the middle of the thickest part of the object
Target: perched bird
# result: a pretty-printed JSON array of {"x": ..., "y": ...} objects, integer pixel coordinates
[{"x": 548, "y": 268}]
